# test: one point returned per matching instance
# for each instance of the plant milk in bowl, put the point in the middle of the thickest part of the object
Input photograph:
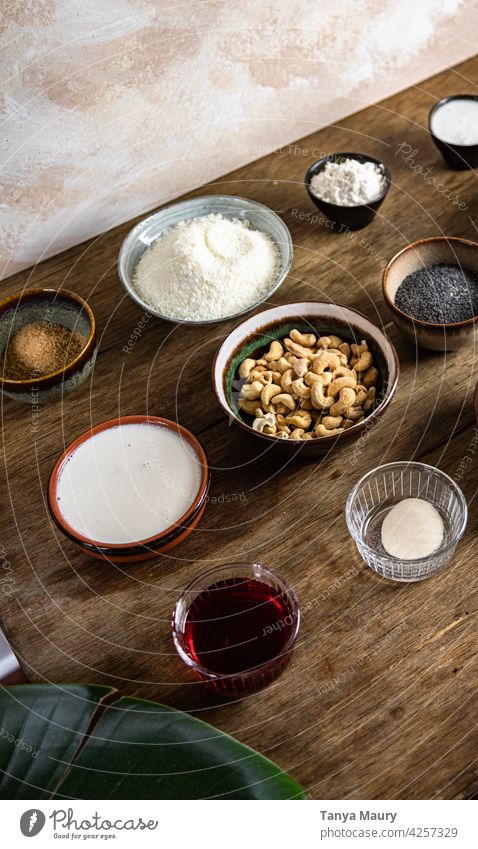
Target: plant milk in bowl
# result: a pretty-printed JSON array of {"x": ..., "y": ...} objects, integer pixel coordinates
[{"x": 128, "y": 484}]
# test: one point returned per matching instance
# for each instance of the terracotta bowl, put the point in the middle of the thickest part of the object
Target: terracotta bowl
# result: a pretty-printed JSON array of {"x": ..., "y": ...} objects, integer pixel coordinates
[
  {"x": 57, "y": 306},
  {"x": 254, "y": 336},
  {"x": 417, "y": 255},
  {"x": 144, "y": 549}
]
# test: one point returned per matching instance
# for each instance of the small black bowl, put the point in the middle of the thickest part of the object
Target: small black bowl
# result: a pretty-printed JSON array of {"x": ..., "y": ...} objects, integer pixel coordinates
[
  {"x": 349, "y": 217},
  {"x": 457, "y": 156}
]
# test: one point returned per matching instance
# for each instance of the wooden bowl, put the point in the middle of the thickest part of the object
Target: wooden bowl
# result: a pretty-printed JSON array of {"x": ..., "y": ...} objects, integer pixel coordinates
[
  {"x": 56, "y": 306},
  {"x": 144, "y": 549},
  {"x": 439, "y": 249},
  {"x": 256, "y": 333}
]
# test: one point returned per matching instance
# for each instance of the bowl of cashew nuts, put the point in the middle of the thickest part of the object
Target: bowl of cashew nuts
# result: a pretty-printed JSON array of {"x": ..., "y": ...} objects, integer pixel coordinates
[{"x": 306, "y": 376}]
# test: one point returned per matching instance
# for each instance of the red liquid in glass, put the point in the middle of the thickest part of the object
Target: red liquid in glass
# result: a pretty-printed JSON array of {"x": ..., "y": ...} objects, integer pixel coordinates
[{"x": 236, "y": 625}]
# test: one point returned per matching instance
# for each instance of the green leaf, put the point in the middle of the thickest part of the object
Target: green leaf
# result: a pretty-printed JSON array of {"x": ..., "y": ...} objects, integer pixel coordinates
[
  {"x": 132, "y": 749},
  {"x": 41, "y": 729},
  {"x": 143, "y": 750}
]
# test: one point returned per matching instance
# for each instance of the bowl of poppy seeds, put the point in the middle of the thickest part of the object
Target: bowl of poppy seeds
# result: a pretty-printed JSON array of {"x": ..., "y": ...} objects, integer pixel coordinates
[
  {"x": 47, "y": 344},
  {"x": 431, "y": 290}
]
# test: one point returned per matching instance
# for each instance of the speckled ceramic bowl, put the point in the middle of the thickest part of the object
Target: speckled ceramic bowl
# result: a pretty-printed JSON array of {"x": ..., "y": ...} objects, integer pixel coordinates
[
  {"x": 418, "y": 255},
  {"x": 144, "y": 549},
  {"x": 141, "y": 237},
  {"x": 253, "y": 337},
  {"x": 56, "y": 306}
]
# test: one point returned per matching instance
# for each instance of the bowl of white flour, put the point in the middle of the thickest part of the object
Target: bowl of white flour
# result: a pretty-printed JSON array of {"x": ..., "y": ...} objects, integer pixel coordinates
[
  {"x": 348, "y": 188},
  {"x": 205, "y": 260}
]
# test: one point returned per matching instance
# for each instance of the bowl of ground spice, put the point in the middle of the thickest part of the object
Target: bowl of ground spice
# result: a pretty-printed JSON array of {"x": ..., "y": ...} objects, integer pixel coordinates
[
  {"x": 431, "y": 290},
  {"x": 47, "y": 344}
]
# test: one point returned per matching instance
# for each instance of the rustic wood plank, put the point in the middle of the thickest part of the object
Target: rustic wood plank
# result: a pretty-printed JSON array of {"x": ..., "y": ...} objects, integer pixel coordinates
[{"x": 380, "y": 700}]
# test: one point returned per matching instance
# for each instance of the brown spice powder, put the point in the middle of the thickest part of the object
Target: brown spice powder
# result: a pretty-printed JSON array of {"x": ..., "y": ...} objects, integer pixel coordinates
[{"x": 40, "y": 348}]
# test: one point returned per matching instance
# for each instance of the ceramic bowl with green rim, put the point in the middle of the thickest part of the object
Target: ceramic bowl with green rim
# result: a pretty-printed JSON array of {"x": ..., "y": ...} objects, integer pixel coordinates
[{"x": 252, "y": 339}]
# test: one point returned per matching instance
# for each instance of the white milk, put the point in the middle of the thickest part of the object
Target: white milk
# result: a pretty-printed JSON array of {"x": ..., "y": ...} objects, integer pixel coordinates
[
  {"x": 128, "y": 483},
  {"x": 456, "y": 122}
]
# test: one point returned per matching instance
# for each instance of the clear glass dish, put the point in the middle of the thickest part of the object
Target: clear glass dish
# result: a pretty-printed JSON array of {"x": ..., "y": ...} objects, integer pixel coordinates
[
  {"x": 245, "y": 625},
  {"x": 144, "y": 234},
  {"x": 374, "y": 496}
]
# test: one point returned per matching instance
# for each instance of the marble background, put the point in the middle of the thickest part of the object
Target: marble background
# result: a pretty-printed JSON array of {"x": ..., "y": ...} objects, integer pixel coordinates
[{"x": 111, "y": 107}]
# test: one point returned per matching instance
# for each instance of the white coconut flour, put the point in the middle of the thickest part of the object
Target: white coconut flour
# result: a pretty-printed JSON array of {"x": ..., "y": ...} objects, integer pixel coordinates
[
  {"x": 207, "y": 268},
  {"x": 349, "y": 183}
]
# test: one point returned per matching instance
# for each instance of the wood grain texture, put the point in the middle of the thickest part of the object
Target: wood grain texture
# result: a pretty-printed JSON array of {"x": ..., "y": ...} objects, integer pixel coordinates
[{"x": 380, "y": 699}]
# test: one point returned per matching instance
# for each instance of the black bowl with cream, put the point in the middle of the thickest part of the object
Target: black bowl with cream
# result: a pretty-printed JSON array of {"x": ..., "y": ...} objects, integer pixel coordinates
[{"x": 453, "y": 124}]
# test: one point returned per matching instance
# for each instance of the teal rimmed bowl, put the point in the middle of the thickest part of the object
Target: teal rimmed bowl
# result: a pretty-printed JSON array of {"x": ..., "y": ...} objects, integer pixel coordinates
[
  {"x": 253, "y": 336},
  {"x": 145, "y": 234}
]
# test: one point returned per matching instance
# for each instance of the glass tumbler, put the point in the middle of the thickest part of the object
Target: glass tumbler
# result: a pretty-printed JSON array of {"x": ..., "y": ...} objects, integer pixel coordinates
[{"x": 235, "y": 626}]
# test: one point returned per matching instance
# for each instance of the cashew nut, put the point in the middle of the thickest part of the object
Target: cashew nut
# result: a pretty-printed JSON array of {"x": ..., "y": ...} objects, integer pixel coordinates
[
  {"x": 325, "y": 378},
  {"x": 282, "y": 365},
  {"x": 307, "y": 436},
  {"x": 297, "y": 433},
  {"x": 246, "y": 367},
  {"x": 320, "y": 430},
  {"x": 268, "y": 393},
  {"x": 331, "y": 422},
  {"x": 325, "y": 360},
  {"x": 275, "y": 351},
  {"x": 355, "y": 413},
  {"x": 256, "y": 374},
  {"x": 262, "y": 422},
  {"x": 364, "y": 362},
  {"x": 370, "y": 377},
  {"x": 346, "y": 400},
  {"x": 300, "y": 388},
  {"x": 319, "y": 400},
  {"x": 282, "y": 435},
  {"x": 306, "y": 339},
  {"x": 303, "y": 420},
  {"x": 298, "y": 350},
  {"x": 361, "y": 394},
  {"x": 250, "y": 407},
  {"x": 250, "y": 391},
  {"x": 371, "y": 397},
  {"x": 300, "y": 366},
  {"x": 344, "y": 348},
  {"x": 285, "y": 399},
  {"x": 286, "y": 380},
  {"x": 342, "y": 377}
]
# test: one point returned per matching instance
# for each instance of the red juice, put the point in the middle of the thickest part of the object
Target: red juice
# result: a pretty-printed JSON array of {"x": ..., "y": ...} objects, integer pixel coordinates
[{"x": 236, "y": 625}]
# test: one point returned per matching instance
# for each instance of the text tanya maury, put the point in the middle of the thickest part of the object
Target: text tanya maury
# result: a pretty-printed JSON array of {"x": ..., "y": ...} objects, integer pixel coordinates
[{"x": 367, "y": 816}]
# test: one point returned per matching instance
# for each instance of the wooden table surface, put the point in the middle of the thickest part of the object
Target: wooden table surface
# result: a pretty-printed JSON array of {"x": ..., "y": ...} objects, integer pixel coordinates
[{"x": 380, "y": 700}]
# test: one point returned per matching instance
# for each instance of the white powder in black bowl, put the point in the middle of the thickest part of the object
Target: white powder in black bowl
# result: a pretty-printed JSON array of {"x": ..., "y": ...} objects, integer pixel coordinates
[{"x": 439, "y": 294}]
